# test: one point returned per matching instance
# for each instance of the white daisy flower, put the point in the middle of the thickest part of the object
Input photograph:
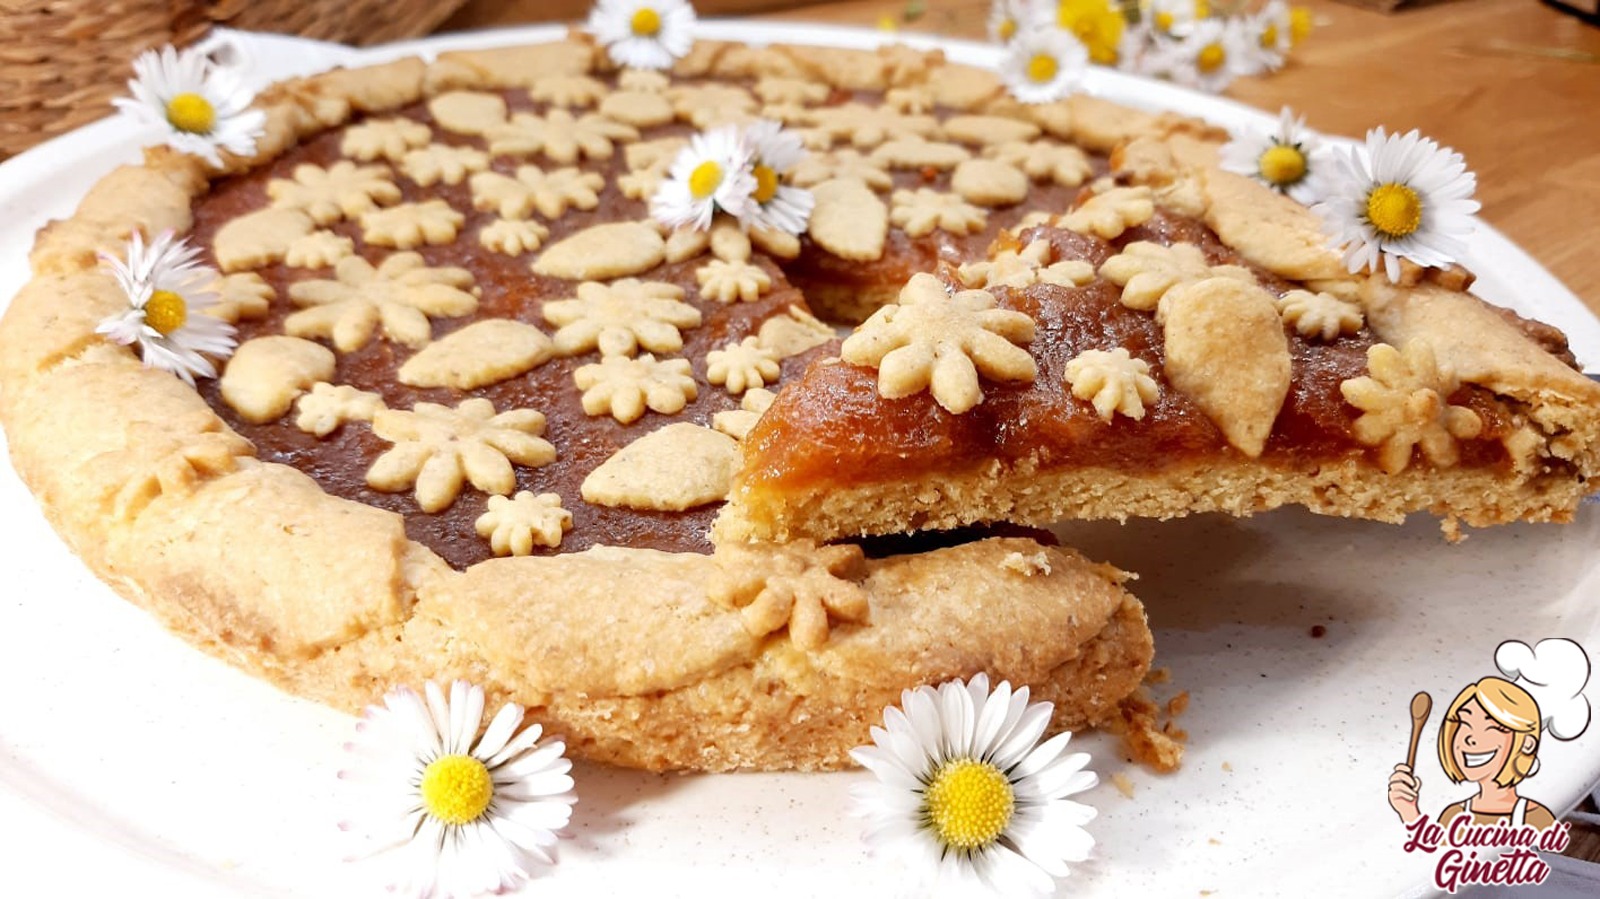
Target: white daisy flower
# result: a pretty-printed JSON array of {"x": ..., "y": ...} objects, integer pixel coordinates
[
  {"x": 1271, "y": 36},
  {"x": 1007, "y": 18},
  {"x": 463, "y": 819},
  {"x": 643, "y": 34},
  {"x": 1173, "y": 18},
  {"x": 201, "y": 106},
  {"x": 1209, "y": 56},
  {"x": 712, "y": 173},
  {"x": 1043, "y": 64},
  {"x": 1406, "y": 197},
  {"x": 773, "y": 204},
  {"x": 164, "y": 286},
  {"x": 967, "y": 795},
  {"x": 1288, "y": 160}
]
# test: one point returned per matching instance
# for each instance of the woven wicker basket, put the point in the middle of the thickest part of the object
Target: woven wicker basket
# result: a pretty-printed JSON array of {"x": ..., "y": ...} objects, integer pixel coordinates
[{"x": 61, "y": 61}]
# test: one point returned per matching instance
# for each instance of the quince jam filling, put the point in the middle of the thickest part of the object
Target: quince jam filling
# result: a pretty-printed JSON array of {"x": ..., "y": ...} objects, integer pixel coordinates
[
  {"x": 509, "y": 289},
  {"x": 837, "y": 408}
]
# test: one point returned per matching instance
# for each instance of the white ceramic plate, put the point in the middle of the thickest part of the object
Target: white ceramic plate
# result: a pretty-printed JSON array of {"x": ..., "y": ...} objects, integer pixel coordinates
[{"x": 129, "y": 760}]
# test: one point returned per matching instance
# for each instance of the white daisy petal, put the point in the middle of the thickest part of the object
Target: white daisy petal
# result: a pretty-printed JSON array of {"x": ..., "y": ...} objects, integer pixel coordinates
[
  {"x": 969, "y": 821},
  {"x": 455, "y": 824}
]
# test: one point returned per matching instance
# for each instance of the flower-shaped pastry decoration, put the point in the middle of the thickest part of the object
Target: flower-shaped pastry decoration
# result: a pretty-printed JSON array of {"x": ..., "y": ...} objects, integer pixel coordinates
[
  {"x": 512, "y": 238},
  {"x": 965, "y": 790},
  {"x": 1321, "y": 315},
  {"x": 551, "y": 193},
  {"x": 1113, "y": 381},
  {"x": 623, "y": 388},
  {"x": 437, "y": 448},
  {"x": 328, "y": 406},
  {"x": 620, "y": 317},
  {"x": 342, "y": 190},
  {"x": 567, "y": 90},
  {"x": 921, "y": 211},
  {"x": 1043, "y": 64},
  {"x": 400, "y": 294},
  {"x": 559, "y": 135},
  {"x": 1146, "y": 271},
  {"x": 1404, "y": 197},
  {"x": 203, "y": 108},
  {"x": 1288, "y": 160},
  {"x": 445, "y": 163},
  {"x": 871, "y": 170},
  {"x": 1404, "y": 400},
  {"x": 933, "y": 340},
  {"x": 867, "y": 126},
  {"x": 798, "y": 585},
  {"x": 515, "y": 525},
  {"x": 458, "y": 813},
  {"x": 1107, "y": 215},
  {"x": 726, "y": 282},
  {"x": 741, "y": 366},
  {"x": 1062, "y": 163},
  {"x": 643, "y": 34},
  {"x": 1030, "y": 265},
  {"x": 432, "y": 222},
  {"x": 245, "y": 296},
  {"x": 387, "y": 139},
  {"x": 166, "y": 288},
  {"x": 705, "y": 105}
]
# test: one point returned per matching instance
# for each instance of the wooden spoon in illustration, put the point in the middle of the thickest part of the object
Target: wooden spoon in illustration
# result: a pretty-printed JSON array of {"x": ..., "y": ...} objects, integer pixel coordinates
[{"x": 1421, "y": 705}]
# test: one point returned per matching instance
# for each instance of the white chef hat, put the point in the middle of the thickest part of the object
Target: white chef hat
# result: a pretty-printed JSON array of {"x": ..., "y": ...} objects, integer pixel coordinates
[{"x": 1554, "y": 672}]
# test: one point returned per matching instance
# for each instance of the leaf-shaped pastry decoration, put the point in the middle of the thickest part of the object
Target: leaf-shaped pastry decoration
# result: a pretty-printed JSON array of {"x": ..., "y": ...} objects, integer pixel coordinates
[
  {"x": 266, "y": 374},
  {"x": 849, "y": 220},
  {"x": 1226, "y": 350}
]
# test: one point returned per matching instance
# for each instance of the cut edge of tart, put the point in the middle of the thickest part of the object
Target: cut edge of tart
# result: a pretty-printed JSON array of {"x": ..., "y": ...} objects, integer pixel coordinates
[
  {"x": 1213, "y": 356},
  {"x": 771, "y": 656}
]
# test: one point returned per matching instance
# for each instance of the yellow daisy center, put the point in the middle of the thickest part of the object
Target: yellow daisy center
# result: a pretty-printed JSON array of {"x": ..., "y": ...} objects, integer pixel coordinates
[
  {"x": 456, "y": 788},
  {"x": 705, "y": 179},
  {"x": 1007, "y": 29},
  {"x": 1165, "y": 21},
  {"x": 1269, "y": 36},
  {"x": 1299, "y": 23},
  {"x": 646, "y": 22},
  {"x": 1211, "y": 58},
  {"x": 191, "y": 113},
  {"x": 1202, "y": 9},
  {"x": 1282, "y": 164},
  {"x": 1395, "y": 210},
  {"x": 1042, "y": 68},
  {"x": 165, "y": 311},
  {"x": 969, "y": 803},
  {"x": 766, "y": 183}
]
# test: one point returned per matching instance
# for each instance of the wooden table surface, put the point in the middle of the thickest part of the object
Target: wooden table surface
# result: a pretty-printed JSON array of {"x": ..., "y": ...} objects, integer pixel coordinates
[{"x": 1512, "y": 84}]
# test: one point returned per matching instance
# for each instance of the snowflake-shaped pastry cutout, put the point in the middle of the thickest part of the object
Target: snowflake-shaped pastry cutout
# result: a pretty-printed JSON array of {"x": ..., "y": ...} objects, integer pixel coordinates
[
  {"x": 342, "y": 190},
  {"x": 726, "y": 281},
  {"x": 1404, "y": 400},
  {"x": 437, "y": 163},
  {"x": 241, "y": 297},
  {"x": 799, "y": 585},
  {"x": 559, "y": 135},
  {"x": 515, "y": 525},
  {"x": 512, "y": 238},
  {"x": 567, "y": 90},
  {"x": 704, "y": 105},
  {"x": 437, "y": 449},
  {"x": 1106, "y": 215},
  {"x": 741, "y": 366},
  {"x": 1030, "y": 265},
  {"x": 328, "y": 406},
  {"x": 1319, "y": 314},
  {"x": 387, "y": 139},
  {"x": 533, "y": 188},
  {"x": 844, "y": 163},
  {"x": 921, "y": 211},
  {"x": 867, "y": 126},
  {"x": 623, "y": 388},
  {"x": 620, "y": 317},
  {"x": 642, "y": 184},
  {"x": 1065, "y": 165},
  {"x": 1113, "y": 381},
  {"x": 401, "y": 294},
  {"x": 933, "y": 340},
  {"x": 1146, "y": 271},
  {"x": 319, "y": 249}
]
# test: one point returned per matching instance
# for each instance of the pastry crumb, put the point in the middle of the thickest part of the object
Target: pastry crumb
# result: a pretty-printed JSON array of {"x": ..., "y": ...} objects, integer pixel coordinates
[
  {"x": 1178, "y": 704},
  {"x": 1158, "y": 676},
  {"x": 1146, "y": 739},
  {"x": 1027, "y": 565},
  {"x": 1227, "y": 766},
  {"x": 1123, "y": 783}
]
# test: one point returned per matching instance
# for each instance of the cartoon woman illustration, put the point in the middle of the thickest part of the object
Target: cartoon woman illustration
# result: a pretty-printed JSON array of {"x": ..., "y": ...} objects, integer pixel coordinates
[{"x": 1493, "y": 730}]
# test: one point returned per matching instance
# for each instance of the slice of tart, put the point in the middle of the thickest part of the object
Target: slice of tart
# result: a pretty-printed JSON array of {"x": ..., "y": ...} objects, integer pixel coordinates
[{"x": 1180, "y": 341}]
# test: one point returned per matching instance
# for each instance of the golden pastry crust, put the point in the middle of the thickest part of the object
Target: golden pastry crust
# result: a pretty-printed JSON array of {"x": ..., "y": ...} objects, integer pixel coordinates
[{"x": 156, "y": 493}]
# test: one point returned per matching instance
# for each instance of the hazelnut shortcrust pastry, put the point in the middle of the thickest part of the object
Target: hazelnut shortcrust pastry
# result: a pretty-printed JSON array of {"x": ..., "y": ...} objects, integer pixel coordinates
[
  {"x": 1182, "y": 340},
  {"x": 486, "y": 403}
]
